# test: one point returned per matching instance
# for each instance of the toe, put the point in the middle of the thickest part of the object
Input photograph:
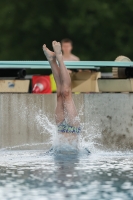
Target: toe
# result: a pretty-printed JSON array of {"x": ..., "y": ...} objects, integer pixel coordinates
[
  {"x": 54, "y": 42},
  {"x": 44, "y": 46}
]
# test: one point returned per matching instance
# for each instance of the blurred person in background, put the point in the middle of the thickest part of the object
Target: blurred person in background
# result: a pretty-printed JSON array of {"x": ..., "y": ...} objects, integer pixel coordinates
[{"x": 67, "y": 47}]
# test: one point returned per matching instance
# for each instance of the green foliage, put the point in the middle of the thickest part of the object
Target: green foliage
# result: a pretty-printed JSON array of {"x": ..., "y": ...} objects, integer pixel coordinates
[{"x": 100, "y": 30}]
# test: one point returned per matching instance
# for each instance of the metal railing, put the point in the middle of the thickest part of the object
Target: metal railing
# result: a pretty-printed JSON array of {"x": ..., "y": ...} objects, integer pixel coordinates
[{"x": 69, "y": 64}]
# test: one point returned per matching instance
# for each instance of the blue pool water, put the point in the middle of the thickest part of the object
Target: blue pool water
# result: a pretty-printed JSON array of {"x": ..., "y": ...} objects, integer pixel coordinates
[{"x": 32, "y": 175}]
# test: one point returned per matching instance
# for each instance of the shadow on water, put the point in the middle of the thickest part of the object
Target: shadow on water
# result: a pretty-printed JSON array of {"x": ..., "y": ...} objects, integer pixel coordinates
[{"x": 65, "y": 166}]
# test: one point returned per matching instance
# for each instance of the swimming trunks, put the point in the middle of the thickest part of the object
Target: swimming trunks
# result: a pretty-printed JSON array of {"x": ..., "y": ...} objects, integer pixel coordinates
[{"x": 63, "y": 127}]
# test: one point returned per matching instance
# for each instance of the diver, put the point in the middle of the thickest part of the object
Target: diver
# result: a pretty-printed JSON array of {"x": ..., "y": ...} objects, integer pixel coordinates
[{"x": 66, "y": 115}]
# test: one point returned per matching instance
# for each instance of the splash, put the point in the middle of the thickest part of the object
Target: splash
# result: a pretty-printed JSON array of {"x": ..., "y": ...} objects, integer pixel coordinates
[
  {"x": 86, "y": 140},
  {"x": 44, "y": 124}
]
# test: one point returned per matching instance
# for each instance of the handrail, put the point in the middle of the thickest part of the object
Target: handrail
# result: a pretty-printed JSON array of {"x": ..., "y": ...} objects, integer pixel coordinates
[{"x": 69, "y": 64}]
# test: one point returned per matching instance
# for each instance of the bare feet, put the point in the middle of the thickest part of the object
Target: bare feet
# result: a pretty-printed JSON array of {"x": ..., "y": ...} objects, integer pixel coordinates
[
  {"x": 50, "y": 55},
  {"x": 57, "y": 49}
]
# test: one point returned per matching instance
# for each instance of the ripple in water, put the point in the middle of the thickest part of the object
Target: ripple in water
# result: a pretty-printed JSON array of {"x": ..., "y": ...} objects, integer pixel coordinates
[{"x": 31, "y": 175}]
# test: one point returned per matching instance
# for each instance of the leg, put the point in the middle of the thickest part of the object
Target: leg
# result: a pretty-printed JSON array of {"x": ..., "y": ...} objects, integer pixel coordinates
[
  {"x": 59, "y": 112},
  {"x": 69, "y": 106}
]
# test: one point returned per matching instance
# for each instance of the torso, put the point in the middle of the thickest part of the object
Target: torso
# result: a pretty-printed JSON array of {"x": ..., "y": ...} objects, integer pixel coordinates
[{"x": 71, "y": 58}]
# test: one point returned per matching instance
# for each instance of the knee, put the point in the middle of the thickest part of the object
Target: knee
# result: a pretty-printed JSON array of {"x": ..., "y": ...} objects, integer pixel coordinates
[
  {"x": 66, "y": 92},
  {"x": 59, "y": 95}
]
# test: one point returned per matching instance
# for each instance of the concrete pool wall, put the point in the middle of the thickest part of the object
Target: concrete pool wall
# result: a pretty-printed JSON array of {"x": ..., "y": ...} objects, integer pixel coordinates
[{"x": 107, "y": 119}]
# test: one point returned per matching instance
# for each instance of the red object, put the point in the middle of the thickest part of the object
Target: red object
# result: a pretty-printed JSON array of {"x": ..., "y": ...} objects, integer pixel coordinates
[{"x": 41, "y": 84}]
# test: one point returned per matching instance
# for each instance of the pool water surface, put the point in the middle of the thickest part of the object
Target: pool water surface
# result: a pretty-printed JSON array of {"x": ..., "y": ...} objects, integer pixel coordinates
[{"x": 33, "y": 175}]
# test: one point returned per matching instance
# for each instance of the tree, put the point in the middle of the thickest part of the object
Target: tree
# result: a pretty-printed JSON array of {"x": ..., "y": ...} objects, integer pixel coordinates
[{"x": 100, "y": 30}]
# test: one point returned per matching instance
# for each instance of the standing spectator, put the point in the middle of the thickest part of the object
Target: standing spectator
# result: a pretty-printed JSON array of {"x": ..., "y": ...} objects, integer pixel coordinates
[{"x": 67, "y": 47}]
